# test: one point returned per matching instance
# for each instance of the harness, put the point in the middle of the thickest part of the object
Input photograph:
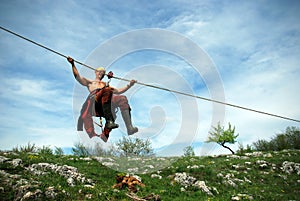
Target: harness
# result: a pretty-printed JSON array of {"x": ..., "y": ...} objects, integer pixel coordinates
[{"x": 88, "y": 107}]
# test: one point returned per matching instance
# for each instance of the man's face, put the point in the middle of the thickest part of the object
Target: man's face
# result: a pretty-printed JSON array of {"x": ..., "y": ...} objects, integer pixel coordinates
[{"x": 100, "y": 73}]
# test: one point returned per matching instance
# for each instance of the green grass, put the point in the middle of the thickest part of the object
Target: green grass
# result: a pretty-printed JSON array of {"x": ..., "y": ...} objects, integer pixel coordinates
[{"x": 269, "y": 183}]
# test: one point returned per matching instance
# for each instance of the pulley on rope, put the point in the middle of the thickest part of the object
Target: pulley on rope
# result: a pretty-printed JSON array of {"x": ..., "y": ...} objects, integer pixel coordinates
[{"x": 109, "y": 75}]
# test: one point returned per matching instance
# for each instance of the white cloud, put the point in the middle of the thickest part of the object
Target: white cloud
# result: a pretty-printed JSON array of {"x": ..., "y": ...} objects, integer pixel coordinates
[
  {"x": 256, "y": 54},
  {"x": 40, "y": 94},
  {"x": 55, "y": 136},
  {"x": 35, "y": 110}
]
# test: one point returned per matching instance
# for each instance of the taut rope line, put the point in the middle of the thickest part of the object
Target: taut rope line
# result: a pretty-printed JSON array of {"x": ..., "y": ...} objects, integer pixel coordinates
[{"x": 153, "y": 86}]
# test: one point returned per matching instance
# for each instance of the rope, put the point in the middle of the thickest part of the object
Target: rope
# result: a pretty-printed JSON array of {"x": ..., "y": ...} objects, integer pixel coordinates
[
  {"x": 153, "y": 86},
  {"x": 212, "y": 100},
  {"x": 43, "y": 46}
]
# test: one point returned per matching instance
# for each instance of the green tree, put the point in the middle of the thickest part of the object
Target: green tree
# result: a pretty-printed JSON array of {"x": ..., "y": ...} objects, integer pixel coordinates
[
  {"x": 188, "y": 151},
  {"x": 134, "y": 146},
  {"x": 279, "y": 142},
  {"x": 222, "y": 136},
  {"x": 261, "y": 145},
  {"x": 293, "y": 137},
  {"x": 290, "y": 139}
]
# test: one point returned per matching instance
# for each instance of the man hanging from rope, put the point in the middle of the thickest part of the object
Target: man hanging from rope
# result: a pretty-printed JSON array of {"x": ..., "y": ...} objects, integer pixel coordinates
[{"x": 101, "y": 102}]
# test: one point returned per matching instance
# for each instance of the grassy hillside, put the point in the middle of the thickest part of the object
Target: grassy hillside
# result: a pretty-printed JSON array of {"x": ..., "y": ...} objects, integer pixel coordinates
[{"x": 253, "y": 176}]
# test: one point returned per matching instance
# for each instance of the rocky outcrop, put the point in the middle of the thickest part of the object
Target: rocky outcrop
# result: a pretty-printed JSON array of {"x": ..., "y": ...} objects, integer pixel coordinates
[
  {"x": 28, "y": 189},
  {"x": 187, "y": 181},
  {"x": 70, "y": 173},
  {"x": 291, "y": 167}
]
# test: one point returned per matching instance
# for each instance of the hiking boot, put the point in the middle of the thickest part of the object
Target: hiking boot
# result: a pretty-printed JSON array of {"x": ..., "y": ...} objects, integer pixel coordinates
[
  {"x": 128, "y": 123},
  {"x": 111, "y": 125}
]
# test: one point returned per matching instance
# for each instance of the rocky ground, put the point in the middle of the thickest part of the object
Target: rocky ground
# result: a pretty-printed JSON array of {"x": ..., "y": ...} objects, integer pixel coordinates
[{"x": 252, "y": 176}]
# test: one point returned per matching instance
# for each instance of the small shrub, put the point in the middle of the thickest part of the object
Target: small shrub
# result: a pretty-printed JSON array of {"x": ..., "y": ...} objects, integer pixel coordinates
[
  {"x": 29, "y": 148},
  {"x": 45, "y": 150},
  {"x": 242, "y": 150},
  {"x": 80, "y": 150},
  {"x": 134, "y": 147},
  {"x": 188, "y": 151},
  {"x": 58, "y": 151}
]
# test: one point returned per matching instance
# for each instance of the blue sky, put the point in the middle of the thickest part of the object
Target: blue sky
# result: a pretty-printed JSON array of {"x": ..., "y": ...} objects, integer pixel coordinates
[{"x": 253, "y": 45}]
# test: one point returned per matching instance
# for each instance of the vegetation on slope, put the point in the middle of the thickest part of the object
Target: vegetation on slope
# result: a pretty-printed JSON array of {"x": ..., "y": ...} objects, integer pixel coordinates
[{"x": 252, "y": 176}]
